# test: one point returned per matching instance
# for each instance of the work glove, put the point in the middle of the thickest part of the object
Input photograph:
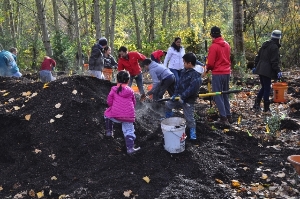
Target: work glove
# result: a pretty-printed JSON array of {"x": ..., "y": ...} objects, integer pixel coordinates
[
  {"x": 253, "y": 70},
  {"x": 279, "y": 75},
  {"x": 173, "y": 98}
]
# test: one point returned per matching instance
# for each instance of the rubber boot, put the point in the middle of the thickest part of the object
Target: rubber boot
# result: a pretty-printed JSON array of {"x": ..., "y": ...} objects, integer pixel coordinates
[
  {"x": 193, "y": 134},
  {"x": 108, "y": 127},
  {"x": 223, "y": 122},
  {"x": 266, "y": 106},
  {"x": 130, "y": 145},
  {"x": 169, "y": 114},
  {"x": 256, "y": 106}
]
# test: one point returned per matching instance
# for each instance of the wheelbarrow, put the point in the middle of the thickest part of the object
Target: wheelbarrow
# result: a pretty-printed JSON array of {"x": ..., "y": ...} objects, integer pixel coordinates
[{"x": 295, "y": 161}]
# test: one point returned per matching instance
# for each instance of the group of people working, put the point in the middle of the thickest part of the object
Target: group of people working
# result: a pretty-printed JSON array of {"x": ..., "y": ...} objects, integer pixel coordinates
[{"x": 177, "y": 75}]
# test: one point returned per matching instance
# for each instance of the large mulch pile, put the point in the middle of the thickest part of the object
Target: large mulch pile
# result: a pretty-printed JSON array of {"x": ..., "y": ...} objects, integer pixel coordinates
[{"x": 53, "y": 146}]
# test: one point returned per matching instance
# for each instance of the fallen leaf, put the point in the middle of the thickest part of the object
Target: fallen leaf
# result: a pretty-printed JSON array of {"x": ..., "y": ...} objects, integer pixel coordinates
[
  {"x": 74, "y": 92},
  {"x": 226, "y": 130},
  {"x": 57, "y": 105},
  {"x": 127, "y": 193},
  {"x": 260, "y": 187},
  {"x": 147, "y": 179},
  {"x": 26, "y": 93},
  {"x": 239, "y": 120},
  {"x": 219, "y": 181},
  {"x": 245, "y": 168},
  {"x": 53, "y": 178},
  {"x": 52, "y": 156},
  {"x": 235, "y": 183},
  {"x": 34, "y": 94},
  {"x": 37, "y": 151},
  {"x": 16, "y": 108},
  {"x": 264, "y": 176},
  {"x": 52, "y": 120},
  {"x": 5, "y": 94},
  {"x": 1, "y": 188},
  {"x": 45, "y": 85},
  {"x": 18, "y": 195},
  {"x": 58, "y": 116},
  {"x": 40, "y": 194},
  {"x": 64, "y": 82},
  {"x": 11, "y": 100},
  {"x": 281, "y": 175},
  {"x": 27, "y": 117},
  {"x": 31, "y": 193}
]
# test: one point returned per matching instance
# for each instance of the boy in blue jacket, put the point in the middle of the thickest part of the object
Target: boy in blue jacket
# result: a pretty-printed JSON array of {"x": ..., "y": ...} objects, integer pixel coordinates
[{"x": 187, "y": 90}]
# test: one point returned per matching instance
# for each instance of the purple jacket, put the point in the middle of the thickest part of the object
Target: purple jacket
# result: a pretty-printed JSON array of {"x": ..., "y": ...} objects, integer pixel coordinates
[{"x": 121, "y": 106}]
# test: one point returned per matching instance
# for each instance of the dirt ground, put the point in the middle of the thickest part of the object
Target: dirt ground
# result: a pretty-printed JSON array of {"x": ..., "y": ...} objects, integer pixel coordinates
[{"x": 53, "y": 146}]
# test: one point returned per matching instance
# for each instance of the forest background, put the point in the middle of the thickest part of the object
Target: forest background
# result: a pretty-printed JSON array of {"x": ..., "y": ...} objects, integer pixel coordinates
[{"x": 63, "y": 28}]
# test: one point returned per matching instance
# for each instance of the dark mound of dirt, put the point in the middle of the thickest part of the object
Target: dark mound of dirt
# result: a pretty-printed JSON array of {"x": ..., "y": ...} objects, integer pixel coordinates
[{"x": 52, "y": 140}]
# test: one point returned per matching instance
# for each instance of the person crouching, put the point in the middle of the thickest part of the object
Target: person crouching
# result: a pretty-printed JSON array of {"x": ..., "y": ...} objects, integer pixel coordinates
[
  {"x": 121, "y": 102},
  {"x": 47, "y": 66}
]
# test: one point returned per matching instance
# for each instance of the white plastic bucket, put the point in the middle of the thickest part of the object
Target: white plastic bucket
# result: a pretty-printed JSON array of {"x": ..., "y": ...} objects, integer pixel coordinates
[{"x": 173, "y": 129}]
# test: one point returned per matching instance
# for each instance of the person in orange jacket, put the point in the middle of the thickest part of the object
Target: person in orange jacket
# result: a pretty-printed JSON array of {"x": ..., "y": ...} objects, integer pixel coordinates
[{"x": 130, "y": 61}]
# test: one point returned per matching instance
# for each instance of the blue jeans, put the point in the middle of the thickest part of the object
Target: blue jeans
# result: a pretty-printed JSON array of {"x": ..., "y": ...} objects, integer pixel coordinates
[
  {"x": 177, "y": 74},
  {"x": 221, "y": 83},
  {"x": 264, "y": 92},
  {"x": 127, "y": 127},
  {"x": 188, "y": 111},
  {"x": 139, "y": 82}
]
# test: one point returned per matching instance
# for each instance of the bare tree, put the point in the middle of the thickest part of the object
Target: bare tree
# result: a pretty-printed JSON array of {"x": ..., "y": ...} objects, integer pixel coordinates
[
  {"x": 107, "y": 19},
  {"x": 97, "y": 18},
  {"x": 77, "y": 35},
  {"x": 112, "y": 24},
  {"x": 55, "y": 15},
  {"x": 137, "y": 28},
  {"x": 43, "y": 25},
  {"x": 151, "y": 24},
  {"x": 164, "y": 14},
  {"x": 188, "y": 11},
  {"x": 238, "y": 28}
]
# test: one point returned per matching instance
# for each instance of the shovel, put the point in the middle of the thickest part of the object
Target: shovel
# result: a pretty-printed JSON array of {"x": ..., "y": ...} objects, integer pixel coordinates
[{"x": 205, "y": 95}]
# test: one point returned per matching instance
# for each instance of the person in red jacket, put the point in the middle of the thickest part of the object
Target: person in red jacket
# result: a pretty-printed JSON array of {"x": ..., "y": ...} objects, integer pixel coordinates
[
  {"x": 156, "y": 55},
  {"x": 130, "y": 61},
  {"x": 218, "y": 61},
  {"x": 47, "y": 66}
]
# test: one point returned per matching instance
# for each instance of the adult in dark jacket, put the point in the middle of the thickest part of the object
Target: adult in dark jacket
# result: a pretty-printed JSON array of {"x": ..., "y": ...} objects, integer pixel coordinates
[
  {"x": 267, "y": 67},
  {"x": 187, "y": 90},
  {"x": 96, "y": 61}
]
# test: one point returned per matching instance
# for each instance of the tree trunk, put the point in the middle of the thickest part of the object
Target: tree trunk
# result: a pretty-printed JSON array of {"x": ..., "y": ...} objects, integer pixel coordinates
[
  {"x": 77, "y": 35},
  {"x": 86, "y": 25},
  {"x": 112, "y": 25},
  {"x": 204, "y": 16},
  {"x": 145, "y": 12},
  {"x": 151, "y": 25},
  {"x": 107, "y": 19},
  {"x": 188, "y": 11},
  {"x": 137, "y": 28},
  {"x": 164, "y": 14},
  {"x": 43, "y": 25},
  {"x": 238, "y": 28},
  {"x": 170, "y": 11},
  {"x": 11, "y": 23},
  {"x": 97, "y": 19},
  {"x": 55, "y": 15}
]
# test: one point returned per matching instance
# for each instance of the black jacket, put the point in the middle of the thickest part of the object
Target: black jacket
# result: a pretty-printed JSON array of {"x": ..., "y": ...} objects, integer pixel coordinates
[
  {"x": 267, "y": 60},
  {"x": 96, "y": 61}
]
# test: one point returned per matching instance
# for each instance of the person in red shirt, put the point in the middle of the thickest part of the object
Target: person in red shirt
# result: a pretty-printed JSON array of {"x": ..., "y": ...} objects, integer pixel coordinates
[
  {"x": 156, "y": 55},
  {"x": 130, "y": 61},
  {"x": 47, "y": 66},
  {"x": 218, "y": 61}
]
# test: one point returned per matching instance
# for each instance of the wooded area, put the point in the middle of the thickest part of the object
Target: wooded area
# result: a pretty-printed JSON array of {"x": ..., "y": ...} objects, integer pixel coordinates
[{"x": 61, "y": 28}]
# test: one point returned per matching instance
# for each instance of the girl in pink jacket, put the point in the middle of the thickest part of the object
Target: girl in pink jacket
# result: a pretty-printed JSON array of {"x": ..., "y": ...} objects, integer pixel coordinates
[{"x": 121, "y": 102}]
